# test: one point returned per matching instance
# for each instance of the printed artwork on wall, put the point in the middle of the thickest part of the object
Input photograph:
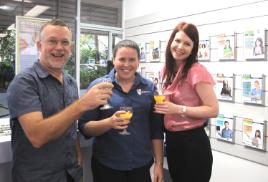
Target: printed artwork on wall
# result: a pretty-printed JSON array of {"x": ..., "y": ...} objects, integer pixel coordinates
[
  {"x": 224, "y": 87},
  {"x": 226, "y": 47},
  {"x": 142, "y": 46},
  {"x": 225, "y": 128},
  {"x": 154, "y": 51},
  {"x": 254, "y": 44},
  {"x": 27, "y": 34},
  {"x": 253, "y": 133},
  {"x": 204, "y": 50},
  {"x": 252, "y": 89}
]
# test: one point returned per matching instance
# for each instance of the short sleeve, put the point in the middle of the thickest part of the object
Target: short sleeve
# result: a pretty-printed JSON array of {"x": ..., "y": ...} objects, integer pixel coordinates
[
  {"x": 86, "y": 117},
  {"x": 198, "y": 73},
  {"x": 23, "y": 96}
]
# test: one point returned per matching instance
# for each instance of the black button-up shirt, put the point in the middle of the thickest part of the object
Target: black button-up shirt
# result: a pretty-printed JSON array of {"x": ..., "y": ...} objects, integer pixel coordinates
[{"x": 35, "y": 90}]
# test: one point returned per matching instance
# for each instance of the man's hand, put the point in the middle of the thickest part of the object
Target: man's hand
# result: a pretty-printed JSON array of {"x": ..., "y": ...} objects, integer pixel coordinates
[{"x": 96, "y": 96}]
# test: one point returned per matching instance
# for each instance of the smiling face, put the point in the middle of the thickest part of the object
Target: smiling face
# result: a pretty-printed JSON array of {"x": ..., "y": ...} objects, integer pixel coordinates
[
  {"x": 126, "y": 62},
  {"x": 54, "y": 47},
  {"x": 181, "y": 47}
]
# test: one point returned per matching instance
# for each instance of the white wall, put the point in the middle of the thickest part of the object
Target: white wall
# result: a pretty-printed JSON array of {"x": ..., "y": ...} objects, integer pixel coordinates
[
  {"x": 171, "y": 8},
  {"x": 153, "y": 20}
]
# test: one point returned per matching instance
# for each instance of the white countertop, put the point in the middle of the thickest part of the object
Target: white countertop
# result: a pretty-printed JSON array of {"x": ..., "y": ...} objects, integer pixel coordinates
[{"x": 5, "y": 144}]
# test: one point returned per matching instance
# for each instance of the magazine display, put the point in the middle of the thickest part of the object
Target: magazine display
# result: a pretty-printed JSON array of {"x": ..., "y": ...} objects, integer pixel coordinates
[
  {"x": 225, "y": 128},
  {"x": 253, "y": 133}
]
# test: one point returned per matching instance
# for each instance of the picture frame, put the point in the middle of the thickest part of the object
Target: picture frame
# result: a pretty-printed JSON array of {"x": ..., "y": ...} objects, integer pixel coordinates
[
  {"x": 224, "y": 128},
  {"x": 253, "y": 89},
  {"x": 253, "y": 133},
  {"x": 224, "y": 87},
  {"x": 154, "y": 51},
  {"x": 254, "y": 44},
  {"x": 142, "y": 46},
  {"x": 226, "y": 45},
  {"x": 204, "y": 50}
]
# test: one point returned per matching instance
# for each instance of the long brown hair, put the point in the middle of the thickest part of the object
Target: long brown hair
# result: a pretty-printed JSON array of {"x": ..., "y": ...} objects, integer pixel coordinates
[{"x": 170, "y": 65}]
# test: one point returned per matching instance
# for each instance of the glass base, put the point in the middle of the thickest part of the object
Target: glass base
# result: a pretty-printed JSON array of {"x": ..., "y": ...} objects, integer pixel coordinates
[{"x": 124, "y": 132}]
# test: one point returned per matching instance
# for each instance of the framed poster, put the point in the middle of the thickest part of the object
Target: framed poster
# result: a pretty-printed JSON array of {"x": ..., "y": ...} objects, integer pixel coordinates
[
  {"x": 253, "y": 89},
  {"x": 225, "y": 128},
  {"x": 27, "y": 34},
  {"x": 142, "y": 46},
  {"x": 204, "y": 50},
  {"x": 254, "y": 44},
  {"x": 224, "y": 87},
  {"x": 154, "y": 51},
  {"x": 226, "y": 47},
  {"x": 254, "y": 133}
]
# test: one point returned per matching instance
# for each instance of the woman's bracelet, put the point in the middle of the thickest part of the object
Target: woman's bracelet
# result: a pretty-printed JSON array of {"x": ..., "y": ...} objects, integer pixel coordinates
[{"x": 184, "y": 109}]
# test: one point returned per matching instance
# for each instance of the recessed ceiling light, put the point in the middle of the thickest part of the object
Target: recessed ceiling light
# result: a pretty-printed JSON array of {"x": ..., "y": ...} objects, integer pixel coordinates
[
  {"x": 25, "y": 1},
  {"x": 7, "y": 8}
]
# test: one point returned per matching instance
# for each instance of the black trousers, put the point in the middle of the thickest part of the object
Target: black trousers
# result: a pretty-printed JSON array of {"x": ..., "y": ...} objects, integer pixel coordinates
[
  {"x": 69, "y": 178},
  {"x": 189, "y": 155},
  {"x": 103, "y": 173}
]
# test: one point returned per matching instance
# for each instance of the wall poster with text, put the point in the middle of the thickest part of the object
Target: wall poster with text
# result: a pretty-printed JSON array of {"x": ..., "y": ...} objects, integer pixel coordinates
[
  {"x": 225, "y": 128},
  {"x": 253, "y": 89},
  {"x": 254, "y": 44},
  {"x": 224, "y": 87},
  {"x": 254, "y": 133},
  {"x": 226, "y": 47},
  {"x": 27, "y": 34}
]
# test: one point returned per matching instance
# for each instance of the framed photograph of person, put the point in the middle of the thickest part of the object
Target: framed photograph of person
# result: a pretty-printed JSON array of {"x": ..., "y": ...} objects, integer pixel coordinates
[
  {"x": 154, "y": 51},
  {"x": 204, "y": 50},
  {"x": 253, "y": 133},
  {"x": 224, "y": 87},
  {"x": 226, "y": 47},
  {"x": 142, "y": 46},
  {"x": 225, "y": 128},
  {"x": 254, "y": 44},
  {"x": 253, "y": 89}
]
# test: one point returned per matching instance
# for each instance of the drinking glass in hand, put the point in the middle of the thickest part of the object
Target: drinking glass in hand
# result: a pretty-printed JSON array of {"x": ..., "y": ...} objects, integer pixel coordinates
[
  {"x": 126, "y": 116},
  {"x": 159, "y": 96},
  {"x": 106, "y": 106}
]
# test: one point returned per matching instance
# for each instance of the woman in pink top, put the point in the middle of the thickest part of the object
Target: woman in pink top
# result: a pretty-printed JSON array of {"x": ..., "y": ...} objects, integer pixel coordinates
[{"x": 190, "y": 101}]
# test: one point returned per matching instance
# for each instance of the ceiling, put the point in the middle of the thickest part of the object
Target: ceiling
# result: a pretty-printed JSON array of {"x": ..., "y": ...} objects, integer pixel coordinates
[{"x": 65, "y": 9}]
